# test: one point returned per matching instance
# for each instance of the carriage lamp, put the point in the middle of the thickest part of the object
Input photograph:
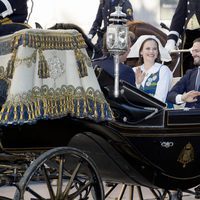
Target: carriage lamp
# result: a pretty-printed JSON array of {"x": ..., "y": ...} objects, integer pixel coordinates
[{"x": 117, "y": 41}]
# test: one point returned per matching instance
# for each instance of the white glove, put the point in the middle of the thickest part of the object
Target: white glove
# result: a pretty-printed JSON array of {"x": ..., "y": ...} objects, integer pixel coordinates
[
  {"x": 90, "y": 36},
  {"x": 170, "y": 45}
]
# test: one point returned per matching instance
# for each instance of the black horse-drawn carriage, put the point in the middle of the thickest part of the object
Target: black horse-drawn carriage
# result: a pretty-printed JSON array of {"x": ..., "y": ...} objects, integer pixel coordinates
[{"x": 59, "y": 129}]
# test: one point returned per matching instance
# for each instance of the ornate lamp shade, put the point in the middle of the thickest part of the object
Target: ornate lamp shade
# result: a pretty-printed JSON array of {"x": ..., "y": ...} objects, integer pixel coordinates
[
  {"x": 49, "y": 75},
  {"x": 117, "y": 41},
  {"x": 117, "y": 32},
  {"x": 117, "y": 37}
]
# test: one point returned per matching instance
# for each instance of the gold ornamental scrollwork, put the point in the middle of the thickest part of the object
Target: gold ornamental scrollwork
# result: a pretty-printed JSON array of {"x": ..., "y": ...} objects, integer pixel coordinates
[{"x": 187, "y": 155}]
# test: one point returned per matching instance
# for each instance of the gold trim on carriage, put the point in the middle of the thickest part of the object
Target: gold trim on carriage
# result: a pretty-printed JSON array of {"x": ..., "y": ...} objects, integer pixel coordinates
[{"x": 49, "y": 75}]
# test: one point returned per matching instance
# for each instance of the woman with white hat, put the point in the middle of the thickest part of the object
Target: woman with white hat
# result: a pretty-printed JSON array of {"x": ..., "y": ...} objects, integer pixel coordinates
[{"x": 151, "y": 75}]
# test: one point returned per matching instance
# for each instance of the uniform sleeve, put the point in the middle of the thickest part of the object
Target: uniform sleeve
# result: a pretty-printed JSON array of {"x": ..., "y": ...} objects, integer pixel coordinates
[
  {"x": 178, "y": 20},
  {"x": 164, "y": 83},
  {"x": 97, "y": 22},
  {"x": 5, "y": 8},
  {"x": 179, "y": 88},
  {"x": 16, "y": 10},
  {"x": 128, "y": 9}
]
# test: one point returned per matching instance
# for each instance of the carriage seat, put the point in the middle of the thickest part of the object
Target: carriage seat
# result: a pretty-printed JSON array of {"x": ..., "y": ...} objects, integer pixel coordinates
[{"x": 133, "y": 106}]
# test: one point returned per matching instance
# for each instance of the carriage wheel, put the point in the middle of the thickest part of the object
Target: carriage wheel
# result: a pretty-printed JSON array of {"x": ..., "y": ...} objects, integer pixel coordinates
[
  {"x": 131, "y": 191},
  {"x": 58, "y": 174}
]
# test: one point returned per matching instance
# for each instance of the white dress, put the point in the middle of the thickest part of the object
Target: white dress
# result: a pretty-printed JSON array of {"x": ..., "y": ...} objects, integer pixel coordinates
[{"x": 164, "y": 81}]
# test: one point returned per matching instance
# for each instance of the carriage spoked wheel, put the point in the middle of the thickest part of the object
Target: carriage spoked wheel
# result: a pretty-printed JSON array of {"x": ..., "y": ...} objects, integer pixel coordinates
[
  {"x": 132, "y": 191},
  {"x": 58, "y": 174}
]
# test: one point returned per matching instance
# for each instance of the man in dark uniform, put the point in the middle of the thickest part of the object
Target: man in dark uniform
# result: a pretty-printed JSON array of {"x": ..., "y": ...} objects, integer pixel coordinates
[
  {"x": 185, "y": 23},
  {"x": 13, "y": 14},
  {"x": 106, "y": 7}
]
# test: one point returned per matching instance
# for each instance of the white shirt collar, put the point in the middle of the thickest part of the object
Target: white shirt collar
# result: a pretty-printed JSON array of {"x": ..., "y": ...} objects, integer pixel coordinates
[{"x": 153, "y": 69}]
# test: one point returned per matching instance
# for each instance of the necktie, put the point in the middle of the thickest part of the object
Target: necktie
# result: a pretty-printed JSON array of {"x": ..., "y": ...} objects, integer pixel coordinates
[{"x": 197, "y": 83}]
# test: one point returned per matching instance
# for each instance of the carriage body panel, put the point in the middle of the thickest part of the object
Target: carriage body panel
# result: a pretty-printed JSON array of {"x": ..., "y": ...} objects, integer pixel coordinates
[{"x": 157, "y": 157}]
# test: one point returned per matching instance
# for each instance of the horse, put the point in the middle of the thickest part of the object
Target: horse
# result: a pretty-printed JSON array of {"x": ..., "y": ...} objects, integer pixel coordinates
[{"x": 142, "y": 28}]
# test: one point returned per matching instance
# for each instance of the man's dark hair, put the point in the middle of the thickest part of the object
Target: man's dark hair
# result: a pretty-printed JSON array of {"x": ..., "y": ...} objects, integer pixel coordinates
[{"x": 196, "y": 40}]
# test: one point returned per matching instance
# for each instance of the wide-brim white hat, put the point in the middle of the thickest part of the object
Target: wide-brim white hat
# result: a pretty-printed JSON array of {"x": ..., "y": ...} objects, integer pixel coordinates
[{"x": 134, "y": 52}]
